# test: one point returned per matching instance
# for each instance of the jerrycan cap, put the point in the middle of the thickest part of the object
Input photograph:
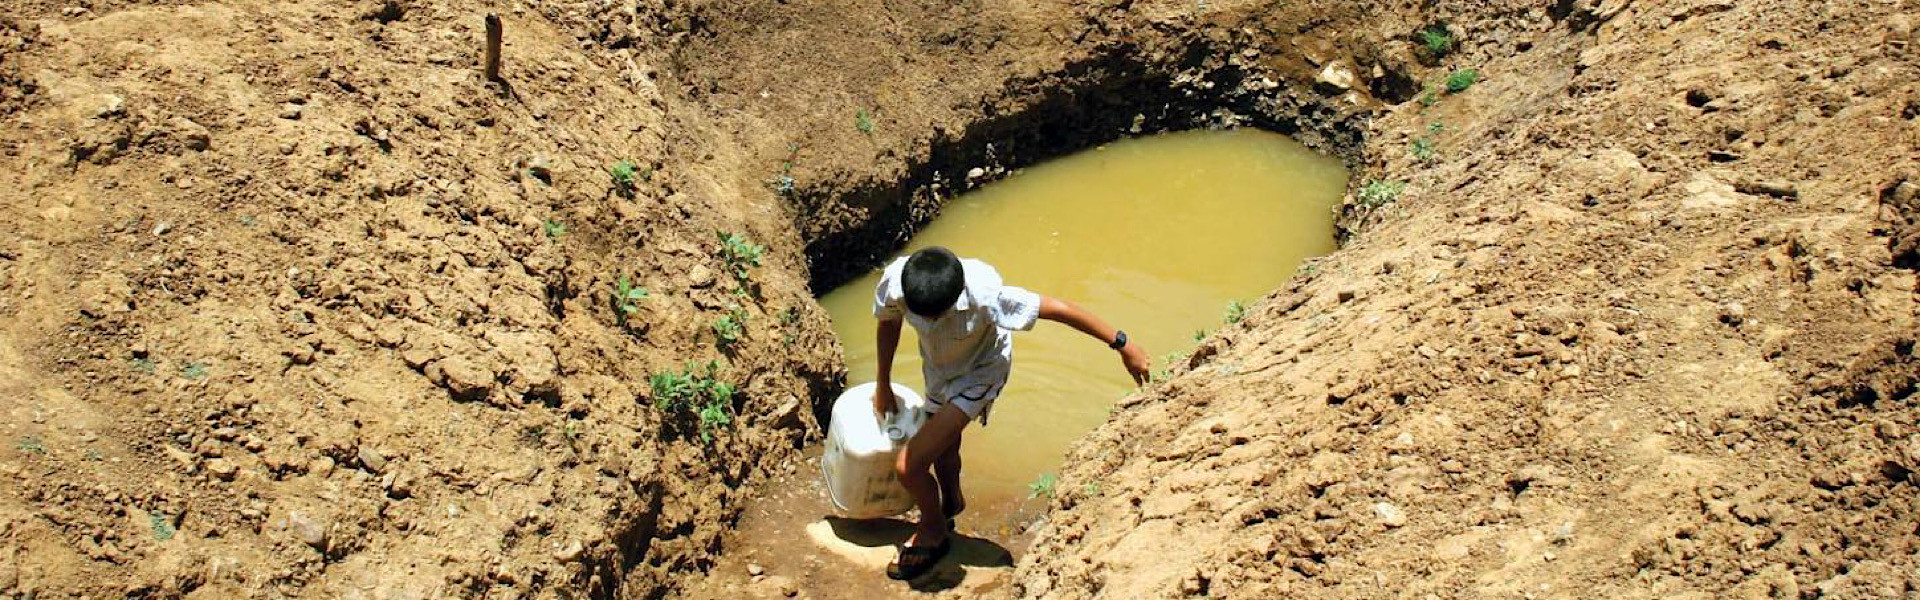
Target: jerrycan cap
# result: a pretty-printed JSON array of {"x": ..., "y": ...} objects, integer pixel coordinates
[{"x": 895, "y": 433}]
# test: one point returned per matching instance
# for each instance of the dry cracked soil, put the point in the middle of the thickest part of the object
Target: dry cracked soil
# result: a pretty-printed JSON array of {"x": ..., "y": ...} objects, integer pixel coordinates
[{"x": 298, "y": 304}]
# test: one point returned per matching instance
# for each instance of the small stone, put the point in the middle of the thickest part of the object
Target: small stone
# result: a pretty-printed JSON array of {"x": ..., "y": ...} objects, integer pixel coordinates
[
  {"x": 287, "y": 148},
  {"x": 308, "y": 530},
  {"x": 162, "y": 229},
  {"x": 700, "y": 276},
  {"x": 372, "y": 459},
  {"x": 222, "y": 468},
  {"x": 755, "y": 569},
  {"x": 322, "y": 466},
  {"x": 1390, "y": 515},
  {"x": 976, "y": 173},
  {"x": 1345, "y": 295},
  {"x": 569, "y": 553},
  {"x": 291, "y": 111}
]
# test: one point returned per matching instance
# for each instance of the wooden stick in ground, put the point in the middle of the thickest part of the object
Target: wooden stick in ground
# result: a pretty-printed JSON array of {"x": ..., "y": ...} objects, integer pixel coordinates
[{"x": 492, "y": 64}]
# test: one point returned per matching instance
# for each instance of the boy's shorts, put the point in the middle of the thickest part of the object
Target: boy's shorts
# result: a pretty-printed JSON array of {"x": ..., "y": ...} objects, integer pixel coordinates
[{"x": 973, "y": 394}]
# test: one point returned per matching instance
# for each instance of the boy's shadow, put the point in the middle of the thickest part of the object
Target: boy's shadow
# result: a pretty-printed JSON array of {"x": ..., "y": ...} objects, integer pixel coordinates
[{"x": 948, "y": 573}]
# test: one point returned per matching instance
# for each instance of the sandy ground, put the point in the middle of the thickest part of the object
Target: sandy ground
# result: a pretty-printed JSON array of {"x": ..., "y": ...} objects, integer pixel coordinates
[{"x": 298, "y": 305}]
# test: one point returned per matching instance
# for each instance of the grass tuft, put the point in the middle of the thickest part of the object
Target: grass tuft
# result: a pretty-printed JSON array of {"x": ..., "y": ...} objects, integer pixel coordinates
[
  {"x": 1437, "y": 40},
  {"x": 1042, "y": 486},
  {"x": 1462, "y": 79},
  {"x": 1381, "y": 193},
  {"x": 1236, "y": 310}
]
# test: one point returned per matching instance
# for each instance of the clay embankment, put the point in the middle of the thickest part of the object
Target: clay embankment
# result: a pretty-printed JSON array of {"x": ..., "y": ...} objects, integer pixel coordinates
[
  {"x": 1643, "y": 327},
  {"x": 296, "y": 305}
]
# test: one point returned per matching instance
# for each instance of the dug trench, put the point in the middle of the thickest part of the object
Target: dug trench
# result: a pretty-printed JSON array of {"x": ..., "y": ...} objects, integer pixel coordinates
[{"x": 300, "y": 307}]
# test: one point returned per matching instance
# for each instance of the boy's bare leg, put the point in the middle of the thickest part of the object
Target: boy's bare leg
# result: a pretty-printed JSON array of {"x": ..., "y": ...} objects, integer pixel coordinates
[
  {"x": 946, "y": 470},
  {"x": 915, "y": 467}
]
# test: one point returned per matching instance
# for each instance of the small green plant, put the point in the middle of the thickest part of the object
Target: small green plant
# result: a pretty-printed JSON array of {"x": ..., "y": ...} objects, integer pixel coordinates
[
  {"x": 95, "y": 455},
  {"x": 1042, "y": 486},
  {"x": 728, "y": 328},
  {"x": 740, "y": 254},
  {"x": 1422, "y": 150},
  {"x": 626, "y": 175},
  {"x": 696, "y": 391},
  {"x": 782, "y": 182},
  {"x": 1437, "y": 40},
  {"x": 554, "y": 229},
  {"x": 863, "y": 121},
  {"x": 31, "y": 445},
  {"x": 1436, "y": 127},
  {"x": 1376, "y": 193},
  {"x": 144, "y": 365},
  {"x": 1462, "y": 79},
  {"x": 162, "y": 526},
  {"x": 194, "y": 370},
  {"x": 626, "y": 299},
  {"x": 1091, "y": 489},
  {"x": 1236, "y": 311},
  {"x": 1199, "y": 335}
]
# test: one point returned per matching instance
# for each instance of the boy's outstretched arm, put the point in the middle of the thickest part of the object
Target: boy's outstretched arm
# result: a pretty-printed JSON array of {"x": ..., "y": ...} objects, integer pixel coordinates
[
  {"x": 886, "y": 338},
  {"x": 1131, "y": 355}
]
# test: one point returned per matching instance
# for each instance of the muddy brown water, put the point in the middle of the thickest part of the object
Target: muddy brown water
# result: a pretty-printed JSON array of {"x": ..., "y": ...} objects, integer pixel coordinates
[{"x": 1157, "y": 235}]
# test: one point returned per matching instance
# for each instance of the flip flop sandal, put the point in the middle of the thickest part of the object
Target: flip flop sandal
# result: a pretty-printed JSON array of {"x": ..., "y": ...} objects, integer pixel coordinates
[{"x": 915, "y": 561}]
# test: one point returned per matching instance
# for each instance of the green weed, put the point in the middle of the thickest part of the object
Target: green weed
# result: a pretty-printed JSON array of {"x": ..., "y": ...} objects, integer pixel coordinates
[
  {"x": 1422, "y": 149},
  {"x": 1042, "y": 486},
  {"x": 696, "y": 391},
  {"x": 1199, "y": 335},
  {"x": 626, "y": 299},
  {"x": 1462, "y": 79},
  {"x": 162, "y": 526},
  {"x": 740, "y": 254},
  {"x": 728, "y": 328},
  {"x": 554, "y": 229},
  {"x": 1437, "y": 40},
  {"x": 31, "y": 445},
  {"x": 1436, "y": 127},
  {"x": 1236, "y": 311},
  {"x": 1429, "y": 97},
  {"x": 626, "y": 175},
  {"x": 782, "y": 182},
  {"x": 1091, "y": 489},
  {"x": 144, "y": 365},
  {"x": 1381, "y": 193},
  {"x": 863, "y": 121},
  {"x": 194, "y": 370}
]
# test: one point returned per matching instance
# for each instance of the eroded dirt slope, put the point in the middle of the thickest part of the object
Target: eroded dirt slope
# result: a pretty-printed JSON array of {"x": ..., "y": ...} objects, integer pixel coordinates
[
  {"x": 297, "y": 305},
  {"x": 1643, "y": 328}
]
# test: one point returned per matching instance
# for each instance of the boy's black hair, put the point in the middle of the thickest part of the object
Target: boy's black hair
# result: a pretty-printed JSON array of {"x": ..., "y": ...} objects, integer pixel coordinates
[{"x": 932, "y": 280}]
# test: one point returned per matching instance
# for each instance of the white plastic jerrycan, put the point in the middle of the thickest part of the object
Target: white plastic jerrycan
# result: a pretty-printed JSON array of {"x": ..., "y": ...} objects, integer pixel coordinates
[{"x": 858, "y": 463}]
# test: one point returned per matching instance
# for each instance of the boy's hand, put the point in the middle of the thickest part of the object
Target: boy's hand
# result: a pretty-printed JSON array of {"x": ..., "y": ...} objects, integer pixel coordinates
[
  {"x": 884, "y": 405},
  {"x": 1137, "y": 363}
]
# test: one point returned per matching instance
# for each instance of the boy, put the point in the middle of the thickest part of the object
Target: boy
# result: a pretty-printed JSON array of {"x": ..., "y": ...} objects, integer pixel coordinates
[{"x": 965, "y": 318}]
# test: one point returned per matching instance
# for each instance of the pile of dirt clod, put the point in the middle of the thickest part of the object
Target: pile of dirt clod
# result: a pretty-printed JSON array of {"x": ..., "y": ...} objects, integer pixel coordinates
[{"x": 297, "y": 305}]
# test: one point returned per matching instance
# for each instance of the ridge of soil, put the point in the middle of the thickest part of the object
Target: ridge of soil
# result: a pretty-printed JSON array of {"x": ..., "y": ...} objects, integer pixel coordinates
[{"x": 285, "y": 316}]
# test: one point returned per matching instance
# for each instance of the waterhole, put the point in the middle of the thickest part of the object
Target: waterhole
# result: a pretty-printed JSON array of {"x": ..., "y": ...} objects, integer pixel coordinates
[{"x": 1157, "y": 235}]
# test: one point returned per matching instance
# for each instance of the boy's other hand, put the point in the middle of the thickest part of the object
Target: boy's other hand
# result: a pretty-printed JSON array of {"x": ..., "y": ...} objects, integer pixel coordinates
[
  {"x": 1137, "y": 363},
  {"x": 884, "y": 405}
]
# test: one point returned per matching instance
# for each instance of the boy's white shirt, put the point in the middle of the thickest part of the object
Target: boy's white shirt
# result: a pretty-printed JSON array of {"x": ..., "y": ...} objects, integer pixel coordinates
[{"x": 972, "y": 344}]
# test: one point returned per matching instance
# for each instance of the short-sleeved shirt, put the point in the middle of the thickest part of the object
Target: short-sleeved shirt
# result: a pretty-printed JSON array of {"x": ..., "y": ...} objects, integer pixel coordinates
[{"x": 969, "y": 349}]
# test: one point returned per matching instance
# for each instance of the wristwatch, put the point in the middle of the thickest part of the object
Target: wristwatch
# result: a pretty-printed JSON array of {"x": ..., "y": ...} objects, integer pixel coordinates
[{"x": 1119, "y": 340}]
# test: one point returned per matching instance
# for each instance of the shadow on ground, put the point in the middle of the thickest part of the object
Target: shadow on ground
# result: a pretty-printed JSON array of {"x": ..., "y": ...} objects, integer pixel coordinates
[{"x": 952, "y": 570}]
